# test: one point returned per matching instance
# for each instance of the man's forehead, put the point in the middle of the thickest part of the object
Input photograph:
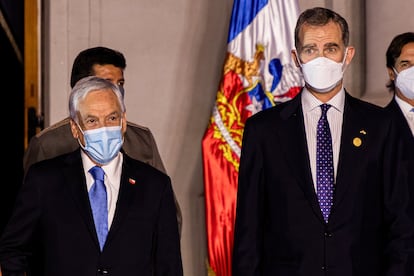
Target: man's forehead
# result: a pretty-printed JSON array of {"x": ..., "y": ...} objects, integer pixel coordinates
[
  {"x": 408, "y": 50},
  {"x": 101, "y": 98},
  {"x": 108, "y": 70},
  {"x": 321, "y": 35}
]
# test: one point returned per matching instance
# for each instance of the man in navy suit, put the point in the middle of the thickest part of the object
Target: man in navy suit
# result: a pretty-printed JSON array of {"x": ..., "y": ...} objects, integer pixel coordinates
[
  {"x": 400, "y": 67},
  {"x": 140, "y": 233},
  {"x": 283, "y": 227}
]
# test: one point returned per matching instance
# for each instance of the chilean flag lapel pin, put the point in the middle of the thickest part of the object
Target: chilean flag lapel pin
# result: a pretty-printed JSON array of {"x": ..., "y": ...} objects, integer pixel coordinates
[{"x": 131, "y": 181}]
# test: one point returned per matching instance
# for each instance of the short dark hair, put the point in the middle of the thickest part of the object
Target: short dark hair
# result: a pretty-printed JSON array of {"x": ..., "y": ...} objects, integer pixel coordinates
[
  {"x": 319, "y": 17},
  {"x": 85, "y": 60},
  {"x": 394, "y": 52}
]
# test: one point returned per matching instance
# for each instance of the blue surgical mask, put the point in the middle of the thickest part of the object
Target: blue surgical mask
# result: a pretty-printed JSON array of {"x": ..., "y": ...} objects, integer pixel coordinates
[{"x": 103, "y": 144}]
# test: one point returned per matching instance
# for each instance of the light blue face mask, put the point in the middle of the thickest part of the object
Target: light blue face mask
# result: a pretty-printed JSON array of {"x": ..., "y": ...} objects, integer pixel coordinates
[{"x": 102, "y": 144}]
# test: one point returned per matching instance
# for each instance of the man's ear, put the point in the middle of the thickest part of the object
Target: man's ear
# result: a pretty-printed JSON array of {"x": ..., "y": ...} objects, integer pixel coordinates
[
  {"x": 391, "y": 74},
  {"x": 75, "y": 129},
  {"x": 295, "y": 57},
  {"x": 349, "y": 54},
  {"x": 124, "y": 123}
]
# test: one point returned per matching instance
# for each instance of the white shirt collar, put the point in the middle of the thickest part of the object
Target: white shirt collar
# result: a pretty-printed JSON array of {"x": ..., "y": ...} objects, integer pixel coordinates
[
  {"x": 404, "y": 106},
  {"x": 310, "y": 102},
  {"x": 112, "y": 169}
]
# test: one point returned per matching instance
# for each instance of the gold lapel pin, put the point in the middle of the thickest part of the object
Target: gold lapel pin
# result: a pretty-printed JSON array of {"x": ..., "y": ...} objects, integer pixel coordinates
[{"x": 357, "y": 142}]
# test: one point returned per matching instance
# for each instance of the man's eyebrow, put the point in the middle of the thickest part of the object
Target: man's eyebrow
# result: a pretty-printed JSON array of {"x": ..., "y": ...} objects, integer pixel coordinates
[
  {"x": 312, "y": 45},
  {"x": 331, "y": 44},
  {"x": 116, "y": 113}
]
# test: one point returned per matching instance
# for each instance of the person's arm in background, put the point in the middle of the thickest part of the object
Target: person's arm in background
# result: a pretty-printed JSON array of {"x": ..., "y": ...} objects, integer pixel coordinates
[
  {"x": 159, "y": 165},
  {"x": 33, "y": 153},
  {"x": 52, "y": 141},
  {"x": 142, "y": 137},
  {"x": 157, "y": 162}
]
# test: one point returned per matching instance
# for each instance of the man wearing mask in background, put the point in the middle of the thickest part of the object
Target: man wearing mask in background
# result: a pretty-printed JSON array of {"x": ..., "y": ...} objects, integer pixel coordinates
[
  {"x": 400, "y": 67},
  {"x": 57, "y": 139},
  {"x": 94, "y": 211},
  {"x": 313, "y": 172}
]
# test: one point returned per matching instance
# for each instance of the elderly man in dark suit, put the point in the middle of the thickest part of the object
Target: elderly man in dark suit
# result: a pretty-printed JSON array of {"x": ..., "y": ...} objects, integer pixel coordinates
[
  {"x": 318, "y": 191},
  {"x": 139, "y": 142},
  {"x": 94, "y": 211}
]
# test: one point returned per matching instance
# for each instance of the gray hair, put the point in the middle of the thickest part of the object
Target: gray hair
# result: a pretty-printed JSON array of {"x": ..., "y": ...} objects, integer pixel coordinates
[{"x": 89, "y": 84}]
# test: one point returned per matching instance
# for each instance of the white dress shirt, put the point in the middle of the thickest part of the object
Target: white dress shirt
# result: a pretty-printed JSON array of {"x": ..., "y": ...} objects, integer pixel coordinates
[
  {"x": 312, "y": 113},
  {"x": 112, "y": 180}
]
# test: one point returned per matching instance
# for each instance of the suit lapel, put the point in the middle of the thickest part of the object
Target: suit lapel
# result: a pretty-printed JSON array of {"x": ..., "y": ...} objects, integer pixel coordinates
[
  {"x": 292, "y": 134},
  {"x": 127, "y": 192},
  {"x": 353, "y": 138},
  {"x": 400, "y": 120},
  {"x": 76, "y": 183}
]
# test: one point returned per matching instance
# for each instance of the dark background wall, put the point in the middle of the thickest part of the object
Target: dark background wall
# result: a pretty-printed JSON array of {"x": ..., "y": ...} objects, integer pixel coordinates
[{"x": 12, "y": 91}]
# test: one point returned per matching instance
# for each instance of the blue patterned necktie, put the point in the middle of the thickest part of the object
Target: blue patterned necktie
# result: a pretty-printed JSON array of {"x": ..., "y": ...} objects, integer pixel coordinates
[
  {"x": 98, "y": 200},
  {"x": 324, "y": 164}
]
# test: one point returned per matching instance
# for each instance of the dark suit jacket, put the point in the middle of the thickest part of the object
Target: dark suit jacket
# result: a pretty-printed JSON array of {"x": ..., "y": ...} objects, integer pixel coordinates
[
  {"x": 139, "y": 143},
  {"x": 279, "y": 228},
  {"x": 53, "y": 208},
  {"x": 406, "y": 136}
]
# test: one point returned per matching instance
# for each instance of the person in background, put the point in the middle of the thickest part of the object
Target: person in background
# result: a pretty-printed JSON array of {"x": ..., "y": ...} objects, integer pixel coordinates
[
  {"x": 96, "y": 210},
  {"x": 400, "y": 68},
  {"x": 317, "y": 189},
  {"x": 57, "y": 139}
]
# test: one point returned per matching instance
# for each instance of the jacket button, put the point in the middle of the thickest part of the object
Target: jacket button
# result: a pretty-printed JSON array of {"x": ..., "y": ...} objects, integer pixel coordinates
[{"x": 103, "y": 271}]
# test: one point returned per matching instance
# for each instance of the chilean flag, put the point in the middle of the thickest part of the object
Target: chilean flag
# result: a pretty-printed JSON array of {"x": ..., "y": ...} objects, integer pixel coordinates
[{"x": 258, "y": 73}]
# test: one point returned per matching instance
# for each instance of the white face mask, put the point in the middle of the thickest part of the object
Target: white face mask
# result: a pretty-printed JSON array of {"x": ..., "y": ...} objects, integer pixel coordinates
[
  {"x": 405, "y": 82},
  {"x": 323, "y": 74}
]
